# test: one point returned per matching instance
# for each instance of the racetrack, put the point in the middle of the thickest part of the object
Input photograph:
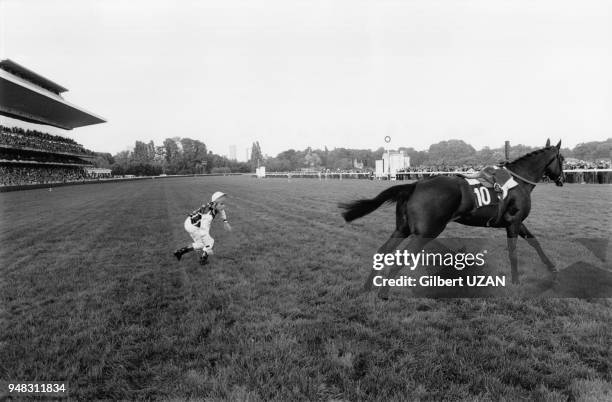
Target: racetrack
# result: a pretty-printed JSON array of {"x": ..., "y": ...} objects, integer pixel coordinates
[{"x": 92, "y": 295}]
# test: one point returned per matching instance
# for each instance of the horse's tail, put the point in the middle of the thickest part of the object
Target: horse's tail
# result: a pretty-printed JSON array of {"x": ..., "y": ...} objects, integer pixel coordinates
[{"x": 359, "y": 208}]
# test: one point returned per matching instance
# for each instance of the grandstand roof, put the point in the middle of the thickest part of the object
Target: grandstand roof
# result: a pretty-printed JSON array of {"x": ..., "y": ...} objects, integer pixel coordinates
[
  {"x": 28, "y": 96},
  {"x": 29, "y": 75}
]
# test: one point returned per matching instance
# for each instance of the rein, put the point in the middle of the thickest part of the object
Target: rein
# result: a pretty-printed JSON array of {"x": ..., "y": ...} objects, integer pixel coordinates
[{"x": 520, "y": 177}]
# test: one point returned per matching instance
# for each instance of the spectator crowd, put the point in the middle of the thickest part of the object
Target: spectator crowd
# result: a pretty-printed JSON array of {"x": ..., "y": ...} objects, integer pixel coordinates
[
  {"x": 20, "y": 138},
  {"x": 579, "y": 164},
  {"x": 14, "y": 175},
  {"x": 12, "y": 155},
  {"x": 443, "y": 168}
]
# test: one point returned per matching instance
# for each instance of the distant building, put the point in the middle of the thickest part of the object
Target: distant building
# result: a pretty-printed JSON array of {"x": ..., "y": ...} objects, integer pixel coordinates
[
  {"x": 232, "y": 152},
  {"x": 391, "y": 163}
]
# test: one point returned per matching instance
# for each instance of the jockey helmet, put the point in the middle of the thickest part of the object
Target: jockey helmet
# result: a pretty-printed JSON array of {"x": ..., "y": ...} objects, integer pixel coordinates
[{"x": 216, "y": 196}]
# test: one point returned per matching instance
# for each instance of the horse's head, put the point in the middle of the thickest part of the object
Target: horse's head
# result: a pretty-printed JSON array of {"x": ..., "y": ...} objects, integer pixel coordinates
[{"x": 554, "y": 169}]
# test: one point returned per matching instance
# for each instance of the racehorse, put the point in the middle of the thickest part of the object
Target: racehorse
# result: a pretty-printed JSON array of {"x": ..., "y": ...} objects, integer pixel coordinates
[{"x": 424, "y": 208}]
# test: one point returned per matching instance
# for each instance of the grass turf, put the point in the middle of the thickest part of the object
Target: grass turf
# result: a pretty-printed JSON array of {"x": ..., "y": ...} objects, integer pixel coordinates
[{"x": 92, "y": 295}]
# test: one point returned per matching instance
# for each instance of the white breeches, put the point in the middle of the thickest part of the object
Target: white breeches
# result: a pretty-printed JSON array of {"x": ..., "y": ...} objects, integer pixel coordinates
[{"x": 201, "y": 237}]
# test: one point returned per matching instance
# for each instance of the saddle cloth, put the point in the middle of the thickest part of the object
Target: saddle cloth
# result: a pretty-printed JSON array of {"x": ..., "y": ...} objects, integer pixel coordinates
[{"x": 492, "y": 193}]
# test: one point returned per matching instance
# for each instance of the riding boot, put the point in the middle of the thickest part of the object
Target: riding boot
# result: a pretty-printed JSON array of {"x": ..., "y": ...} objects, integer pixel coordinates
[
  {"x": 179, "y": 253},
  {"x": 204, "y": 258}
]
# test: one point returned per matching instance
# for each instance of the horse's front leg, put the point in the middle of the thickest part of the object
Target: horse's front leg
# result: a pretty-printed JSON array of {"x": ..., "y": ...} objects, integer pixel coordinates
[
  {"x": 533, "y": 242},
  {"x": 390, "y": 245},
  {"x": 416, "y": 243},
  {"x": 511, "y": 233}
]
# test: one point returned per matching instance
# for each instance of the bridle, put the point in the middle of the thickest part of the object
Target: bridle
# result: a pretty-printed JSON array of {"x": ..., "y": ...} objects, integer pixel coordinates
[
  {"x": 558, "y": 180},
  {"x": 560, "y": 177}
]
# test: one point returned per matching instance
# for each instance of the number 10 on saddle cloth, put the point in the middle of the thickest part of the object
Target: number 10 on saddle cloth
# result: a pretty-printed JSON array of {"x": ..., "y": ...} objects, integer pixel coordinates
[{"x": 490, "y": 186}]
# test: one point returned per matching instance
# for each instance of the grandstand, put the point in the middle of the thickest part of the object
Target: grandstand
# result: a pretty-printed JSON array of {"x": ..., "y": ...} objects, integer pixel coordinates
[{"x": 33, "y": 117}]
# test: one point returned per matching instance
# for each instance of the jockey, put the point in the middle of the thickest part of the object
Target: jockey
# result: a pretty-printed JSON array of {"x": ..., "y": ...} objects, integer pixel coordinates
[{"x": 198, "y": 224}]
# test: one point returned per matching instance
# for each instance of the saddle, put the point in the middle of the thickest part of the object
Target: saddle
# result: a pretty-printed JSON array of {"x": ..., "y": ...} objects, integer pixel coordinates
[{"x": 492, "y": 177}]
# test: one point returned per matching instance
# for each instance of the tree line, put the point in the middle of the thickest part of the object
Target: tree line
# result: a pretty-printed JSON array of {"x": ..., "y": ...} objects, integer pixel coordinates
[
  {"x": 445, "y": 153},
  {"x": 175, "y": 156},
  {"x": 188, "y": 156}
]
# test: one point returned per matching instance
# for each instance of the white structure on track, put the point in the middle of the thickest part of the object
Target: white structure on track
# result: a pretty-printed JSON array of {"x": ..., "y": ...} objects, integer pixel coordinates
[{"x": 391, "y": 162}]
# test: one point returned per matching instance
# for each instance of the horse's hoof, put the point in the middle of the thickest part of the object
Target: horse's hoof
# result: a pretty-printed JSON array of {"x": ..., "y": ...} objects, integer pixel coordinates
[
  {"x": 515, "y": 281},
  {"x": 383, "y": 296}
]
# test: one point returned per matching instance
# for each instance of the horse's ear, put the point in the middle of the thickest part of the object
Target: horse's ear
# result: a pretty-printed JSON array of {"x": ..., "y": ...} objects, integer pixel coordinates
[
  {"x": 547, "y": 143},
  {"x": 559, "y": 145}
]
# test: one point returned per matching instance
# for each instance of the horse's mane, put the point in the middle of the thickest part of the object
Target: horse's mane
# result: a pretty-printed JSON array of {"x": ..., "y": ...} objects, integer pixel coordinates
[{"x": 529, "y": 155}]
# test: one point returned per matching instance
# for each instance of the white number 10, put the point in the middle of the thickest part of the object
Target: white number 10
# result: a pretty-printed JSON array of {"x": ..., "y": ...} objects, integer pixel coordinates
[{"x": 483, "y": 196}]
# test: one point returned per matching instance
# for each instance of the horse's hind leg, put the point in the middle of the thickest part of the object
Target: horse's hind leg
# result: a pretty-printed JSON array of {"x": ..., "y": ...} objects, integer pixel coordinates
[
  {"x": 389, "y": 246},
  {"x": 415, "y": 245},
  {"x": 533, "y": 242},
  {"x": 511, "y": 232}
]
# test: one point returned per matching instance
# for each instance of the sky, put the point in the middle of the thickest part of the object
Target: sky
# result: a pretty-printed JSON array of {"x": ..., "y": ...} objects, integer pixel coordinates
[{"x": 293, "y": 74}]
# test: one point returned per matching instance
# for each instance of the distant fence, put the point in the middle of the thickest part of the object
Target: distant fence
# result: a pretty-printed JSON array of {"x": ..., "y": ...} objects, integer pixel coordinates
[
  {"x": 597, "y": 176},
  {"x": 590, "y": 176},
  {"x": 316, "y": 175},
  {"x": 4, "y": 189}
]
